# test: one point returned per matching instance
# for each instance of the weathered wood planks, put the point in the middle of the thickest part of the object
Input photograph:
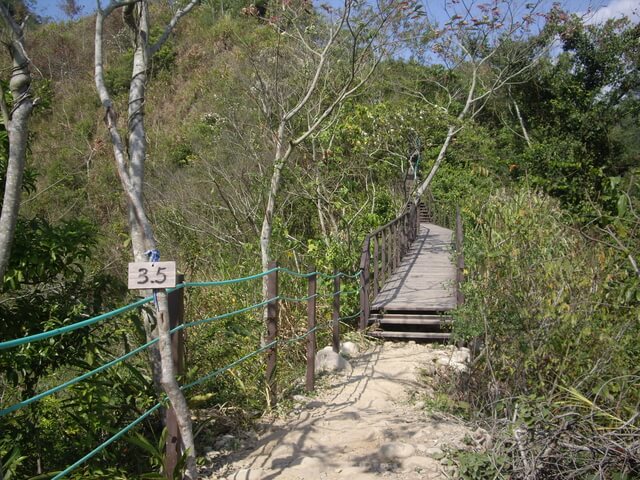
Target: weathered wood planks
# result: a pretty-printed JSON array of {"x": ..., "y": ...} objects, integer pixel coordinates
[{"x": 425, "y": 279}]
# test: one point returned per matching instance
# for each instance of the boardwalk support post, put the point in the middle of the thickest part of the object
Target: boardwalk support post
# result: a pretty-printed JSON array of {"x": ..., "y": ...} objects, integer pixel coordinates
[
  {"x": 311, "y": 339},
  {"x": 335, "y": 321},
  {"x": 272, "y": 334},
  {"x": 173, "y": 445}
]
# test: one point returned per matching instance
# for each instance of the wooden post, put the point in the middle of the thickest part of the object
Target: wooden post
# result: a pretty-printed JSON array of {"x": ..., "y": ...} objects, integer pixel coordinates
[
  {"x": 311, "y": 339},
  {"x": 173, "y": 445},
  {"x": 376, "y": 270},
  {"x": 460, "y": 255},
  {"x": 272, "y": 335},
  {"x": 335, "y": 321},
  {"x": 400, "y": 239},
  {"x": 396, "y": 250},
  {"x": 405, "y": 235},
  {"x": 392, "y": 249},
  {"x": 383, "y": 276},
  {"x": 364, "y": 283}
]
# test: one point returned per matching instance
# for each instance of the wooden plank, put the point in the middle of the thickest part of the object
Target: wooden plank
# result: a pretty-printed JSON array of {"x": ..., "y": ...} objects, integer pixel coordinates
[
  {"x": 422, "y": 335},
  {"x": 425, "y": 279},
  {"x": 410, "y": 320}
]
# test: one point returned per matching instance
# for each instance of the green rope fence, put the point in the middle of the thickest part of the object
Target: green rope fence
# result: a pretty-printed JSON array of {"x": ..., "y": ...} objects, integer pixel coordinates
[{"x": 139, "y": 303}]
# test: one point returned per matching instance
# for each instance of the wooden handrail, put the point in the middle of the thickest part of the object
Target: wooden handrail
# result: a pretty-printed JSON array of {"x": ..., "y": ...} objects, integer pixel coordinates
[
  {"x": 460, "y": 258},
  {"x": 392, "y": 241}
]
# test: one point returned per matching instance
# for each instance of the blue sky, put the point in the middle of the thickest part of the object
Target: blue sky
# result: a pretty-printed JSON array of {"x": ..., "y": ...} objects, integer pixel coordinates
[{"x": 602, "y": 9}]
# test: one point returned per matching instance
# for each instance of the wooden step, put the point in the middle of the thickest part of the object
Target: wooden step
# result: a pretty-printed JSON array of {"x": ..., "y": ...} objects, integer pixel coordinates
[
  {"x": 410, "y": 319},
  {"x": 416, "y": 335}
]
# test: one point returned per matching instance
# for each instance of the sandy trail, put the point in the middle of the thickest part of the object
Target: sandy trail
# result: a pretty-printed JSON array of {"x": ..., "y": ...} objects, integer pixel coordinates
[{"x": 362, "y": 426}]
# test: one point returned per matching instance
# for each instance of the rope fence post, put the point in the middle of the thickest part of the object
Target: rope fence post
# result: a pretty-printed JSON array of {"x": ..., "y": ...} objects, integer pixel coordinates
[
  {"x": 173, "y": 446},
  {"x": 311, "y": 339},
  {"x": 335, "y": 320},
  {"x": 364, "y": 284},
  {"x": 272, "y": 334}
]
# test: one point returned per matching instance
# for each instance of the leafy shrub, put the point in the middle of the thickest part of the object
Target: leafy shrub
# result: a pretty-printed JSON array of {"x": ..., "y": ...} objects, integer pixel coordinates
[{"x": 559, "y": 337}]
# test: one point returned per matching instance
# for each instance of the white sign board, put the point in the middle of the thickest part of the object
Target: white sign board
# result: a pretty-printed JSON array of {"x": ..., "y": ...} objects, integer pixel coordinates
[{"x": 147, "y": 275}]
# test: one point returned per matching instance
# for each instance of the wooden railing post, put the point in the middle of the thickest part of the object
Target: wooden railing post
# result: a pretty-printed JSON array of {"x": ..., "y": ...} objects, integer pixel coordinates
[
  {"x": 396, "y": 237},
  {"x": 460, "y": 259},
  {"x": 335, "y": 320},
  {"x": 376, "y": 275},
  {"x": 272, "y": 334},
  {"x": 405, "y": 233},
  {"x": 311, "y": 338},
  {"x": 383, "y": 261},
  {"x": 364, "y": 283},
  {"x": 401, "y": 237},
  {"x": 173, "y": 445}
]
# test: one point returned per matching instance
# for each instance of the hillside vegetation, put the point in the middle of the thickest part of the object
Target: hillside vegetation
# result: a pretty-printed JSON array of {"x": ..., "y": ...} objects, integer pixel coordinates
[{"x": 539, "y": 146}]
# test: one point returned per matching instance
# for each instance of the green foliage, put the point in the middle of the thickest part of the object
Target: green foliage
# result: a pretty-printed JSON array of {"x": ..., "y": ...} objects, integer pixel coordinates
[
  {"x": 117, "y": 74},
  {"x": 29, "y": 176},
  {"x": 11, "y": 460},
  {"x": 577, "y": 108},
  {"x": 42, "y": 252},
  {"x": 541, "y": 298},
  {"x": 469, "y": 465}
]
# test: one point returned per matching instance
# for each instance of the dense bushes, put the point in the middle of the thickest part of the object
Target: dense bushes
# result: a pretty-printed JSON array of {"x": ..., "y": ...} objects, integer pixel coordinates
[{"x": 558, "y": 333}]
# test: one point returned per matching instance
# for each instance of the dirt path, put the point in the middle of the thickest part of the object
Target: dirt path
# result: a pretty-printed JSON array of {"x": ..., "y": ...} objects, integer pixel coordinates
[{"x": 363, "y": 426}]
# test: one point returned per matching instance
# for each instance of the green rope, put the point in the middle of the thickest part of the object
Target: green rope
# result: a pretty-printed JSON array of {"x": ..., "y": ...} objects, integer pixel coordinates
[
  {"x": 299, "y": 299},
  {"x": 224, "y": 315},
  {"x": 90, "y": 321},
  {"x": 70, "y": 328},
  {"x": 218, "y": 283},
  {"x": 105, "y": 444},
  {"x": 86, "y": 375},
  {"x": 229, "y": 367},
  {"x": 298, "y": 274},
  {"x": 350, "y": 316},
  {"x": 299, "y": 337},
  {"x": 340, "y": 274},
  {"x": 341, "y": 292},
  {"x": 80, "y": 378},
  {"x": 201, "y": 380}
]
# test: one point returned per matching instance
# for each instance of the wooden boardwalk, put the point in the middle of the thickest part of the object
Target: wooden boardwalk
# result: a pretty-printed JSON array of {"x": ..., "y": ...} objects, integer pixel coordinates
[{"x": 425, "y": 281}]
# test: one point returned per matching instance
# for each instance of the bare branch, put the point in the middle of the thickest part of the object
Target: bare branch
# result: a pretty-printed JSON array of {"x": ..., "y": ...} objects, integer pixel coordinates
[{"x": 181, "y": 12}]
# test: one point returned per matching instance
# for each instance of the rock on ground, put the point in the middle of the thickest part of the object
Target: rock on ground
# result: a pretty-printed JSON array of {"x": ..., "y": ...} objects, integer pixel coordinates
[
  {"x": 363, "y": 426},
  {"x": 329, "y": 361}
]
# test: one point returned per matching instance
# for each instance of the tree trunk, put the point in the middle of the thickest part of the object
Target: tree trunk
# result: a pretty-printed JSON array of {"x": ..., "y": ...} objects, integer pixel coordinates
[
  {"x": 172, "y": 389},
  {"x": 525, "y": 134},
  {"x": 16, "y": 123},
  {"x": 443, "y": 151},
  {"x": 451, "y": 133},
  {"x": 280, "y": 159},
  {"x": 130, "y": 164}
]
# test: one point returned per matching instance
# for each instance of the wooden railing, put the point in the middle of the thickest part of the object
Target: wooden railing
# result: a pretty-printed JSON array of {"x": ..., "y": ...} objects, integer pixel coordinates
[
  {"x": 382, "y": 252},
  {"x": 384, "y": 248},
  {"x": 437, "y": 213},
  {"x": 459, "y": 238}
]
